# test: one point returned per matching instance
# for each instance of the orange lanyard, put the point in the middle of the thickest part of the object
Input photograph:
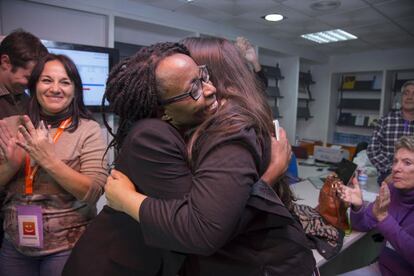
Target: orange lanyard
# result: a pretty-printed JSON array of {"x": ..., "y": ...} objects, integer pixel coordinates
[{"x": 29, "y": 171}]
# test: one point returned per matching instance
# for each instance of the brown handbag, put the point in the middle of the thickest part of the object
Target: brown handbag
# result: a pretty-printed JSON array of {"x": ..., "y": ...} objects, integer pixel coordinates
[{"x": 331, "y": 207}]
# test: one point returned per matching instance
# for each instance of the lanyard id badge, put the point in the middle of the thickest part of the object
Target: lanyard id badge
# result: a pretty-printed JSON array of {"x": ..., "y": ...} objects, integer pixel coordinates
[{"x": 30, "y": 225}]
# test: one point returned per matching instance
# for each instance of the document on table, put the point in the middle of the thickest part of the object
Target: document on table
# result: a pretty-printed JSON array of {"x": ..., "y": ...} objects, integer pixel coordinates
[{"x": 317, "y": 181}]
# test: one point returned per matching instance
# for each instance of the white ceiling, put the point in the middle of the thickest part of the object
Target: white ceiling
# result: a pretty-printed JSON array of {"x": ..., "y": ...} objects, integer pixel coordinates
[{"x": 378, "y": 24}]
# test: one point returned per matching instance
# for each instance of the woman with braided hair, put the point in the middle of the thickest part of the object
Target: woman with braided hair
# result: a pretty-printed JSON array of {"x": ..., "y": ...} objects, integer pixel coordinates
[{"x": 195, "y": 210}]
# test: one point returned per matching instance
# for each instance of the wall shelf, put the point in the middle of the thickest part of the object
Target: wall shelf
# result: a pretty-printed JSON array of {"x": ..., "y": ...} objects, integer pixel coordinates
[
  {"x": 274, "y": 76},
  {"x": 359, "y": 90},
  {"x": 358, "y": 104},
  {"x": 363, "y": 104},
  {"x": 305, "y": 99},
  {"x": 304, "y": 95},
  {"x": 273, "y": 91},
  {"x": 363, "y": 126}
]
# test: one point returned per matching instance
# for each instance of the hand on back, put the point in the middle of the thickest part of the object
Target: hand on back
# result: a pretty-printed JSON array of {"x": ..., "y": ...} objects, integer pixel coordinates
[{"x": 280, "y": 157}]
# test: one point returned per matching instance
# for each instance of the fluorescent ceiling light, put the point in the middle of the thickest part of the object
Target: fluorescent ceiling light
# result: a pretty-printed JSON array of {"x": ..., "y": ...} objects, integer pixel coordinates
[
  {"x": 273, "y": 17},
  {"x": 329, "y": 36}
]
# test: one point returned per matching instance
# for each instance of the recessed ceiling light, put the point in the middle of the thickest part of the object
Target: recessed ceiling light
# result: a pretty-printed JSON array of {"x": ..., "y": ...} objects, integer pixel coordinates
[
  {"x": 329, "y": 36},
  {"x": 274, "y": 17}
]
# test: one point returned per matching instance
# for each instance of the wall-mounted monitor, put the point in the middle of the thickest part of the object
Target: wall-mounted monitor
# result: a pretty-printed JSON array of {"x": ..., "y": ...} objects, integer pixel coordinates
[{"x": 93, "y": 63}]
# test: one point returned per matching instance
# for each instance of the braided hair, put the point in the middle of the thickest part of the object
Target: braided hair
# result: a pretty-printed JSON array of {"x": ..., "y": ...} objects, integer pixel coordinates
[{"x": 132, "y": 90}]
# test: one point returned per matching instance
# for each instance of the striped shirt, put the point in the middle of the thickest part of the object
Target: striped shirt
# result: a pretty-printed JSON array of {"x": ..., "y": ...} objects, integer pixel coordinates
[{"x": 390, "y": 128}]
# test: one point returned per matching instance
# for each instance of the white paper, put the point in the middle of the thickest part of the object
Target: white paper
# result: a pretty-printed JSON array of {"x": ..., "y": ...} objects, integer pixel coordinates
[{"x": 359, "y": 120}]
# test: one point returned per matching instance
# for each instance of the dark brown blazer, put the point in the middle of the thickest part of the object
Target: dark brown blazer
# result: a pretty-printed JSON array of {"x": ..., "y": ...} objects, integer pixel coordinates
[{"x": 11, "y": 105}]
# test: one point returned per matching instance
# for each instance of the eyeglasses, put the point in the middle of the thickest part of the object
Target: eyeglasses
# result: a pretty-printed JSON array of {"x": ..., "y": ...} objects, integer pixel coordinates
[{"x": 196, "y": 88}]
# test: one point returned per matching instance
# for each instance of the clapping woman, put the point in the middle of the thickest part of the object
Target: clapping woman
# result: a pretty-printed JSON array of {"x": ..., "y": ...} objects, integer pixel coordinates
[
  {"x": 53, "y": 174},
  {"x": 392, "y": 214}
]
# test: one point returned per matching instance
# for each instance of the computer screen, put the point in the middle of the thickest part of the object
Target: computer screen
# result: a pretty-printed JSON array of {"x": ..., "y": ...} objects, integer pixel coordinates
[{"x": 93, "y": 63}]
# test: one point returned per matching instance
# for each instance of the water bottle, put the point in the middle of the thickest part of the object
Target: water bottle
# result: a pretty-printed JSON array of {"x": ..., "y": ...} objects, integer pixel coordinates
[
  {"x": 362, "y": 177},
  {"x": 297, "y": 142}
]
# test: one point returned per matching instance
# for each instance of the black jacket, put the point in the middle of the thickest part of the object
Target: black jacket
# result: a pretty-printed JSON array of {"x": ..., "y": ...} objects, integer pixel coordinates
[{"x": 264, "y": 239}]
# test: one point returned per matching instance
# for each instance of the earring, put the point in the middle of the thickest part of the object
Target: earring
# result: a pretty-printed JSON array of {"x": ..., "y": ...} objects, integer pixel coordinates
[{"x": 166, "y": 118}]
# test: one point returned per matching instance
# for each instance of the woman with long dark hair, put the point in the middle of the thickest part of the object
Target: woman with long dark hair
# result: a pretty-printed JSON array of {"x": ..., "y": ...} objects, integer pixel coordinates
[{"x": 235, "y": 82}]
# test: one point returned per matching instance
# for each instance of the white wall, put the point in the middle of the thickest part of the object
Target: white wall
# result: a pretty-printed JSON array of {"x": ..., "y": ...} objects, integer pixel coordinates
[
  {"x": 324, "y": 108},
  {"x": 142, "y": 33},
  {"x": 316, "y": 128},
  {"x": 289, "y": 90},
  {"x": 162, "y": 17},
  {"x": 54, "y": 23},
  {"x": 373, "y": 61}
]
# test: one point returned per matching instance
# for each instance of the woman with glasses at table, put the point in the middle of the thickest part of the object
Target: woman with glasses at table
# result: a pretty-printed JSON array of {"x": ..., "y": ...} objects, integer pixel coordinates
[
  {"x": 214, "y": 201},
  {"x": 54, "y": 173},
  {"x": 391, "y": 214}
]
